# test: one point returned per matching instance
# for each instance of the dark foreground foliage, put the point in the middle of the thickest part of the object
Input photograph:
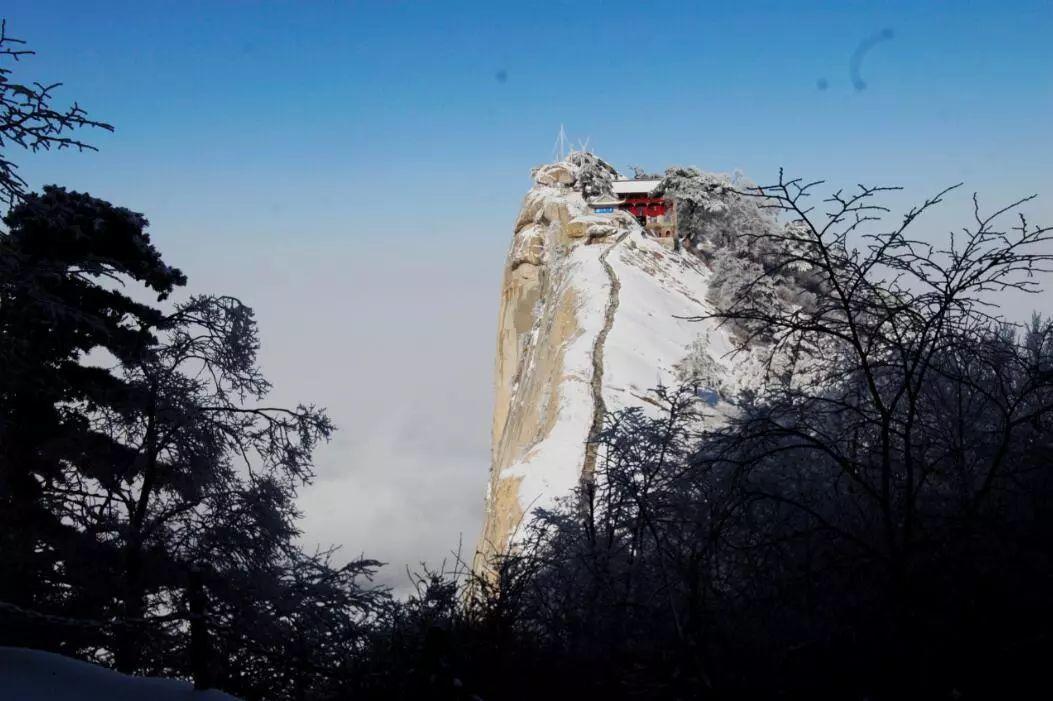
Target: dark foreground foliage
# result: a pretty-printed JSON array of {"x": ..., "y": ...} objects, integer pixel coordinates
[{"x": 874, "y": 523}]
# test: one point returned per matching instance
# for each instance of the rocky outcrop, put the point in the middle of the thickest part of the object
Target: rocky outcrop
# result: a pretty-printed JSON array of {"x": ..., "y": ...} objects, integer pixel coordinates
[
  {"x": 556, "y": 174},
  {"x": 591, "y": 319}
]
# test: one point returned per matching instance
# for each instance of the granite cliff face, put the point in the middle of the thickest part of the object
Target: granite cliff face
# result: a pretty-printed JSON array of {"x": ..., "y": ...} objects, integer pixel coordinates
[{"x": 590, "y": 321}]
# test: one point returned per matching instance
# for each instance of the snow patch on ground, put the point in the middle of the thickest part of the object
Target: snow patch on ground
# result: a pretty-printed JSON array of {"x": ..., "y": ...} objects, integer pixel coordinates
[
  {"x": 34, "y": 675},
  {"x": 651, "y": 335}
]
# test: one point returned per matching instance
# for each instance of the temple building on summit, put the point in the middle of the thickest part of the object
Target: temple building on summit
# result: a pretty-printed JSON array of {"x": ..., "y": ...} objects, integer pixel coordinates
[{"x": 656, "y": 214}]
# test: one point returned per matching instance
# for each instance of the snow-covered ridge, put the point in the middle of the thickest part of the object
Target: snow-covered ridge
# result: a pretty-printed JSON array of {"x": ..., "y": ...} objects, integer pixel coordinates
[{"x": 591, "y": 319}]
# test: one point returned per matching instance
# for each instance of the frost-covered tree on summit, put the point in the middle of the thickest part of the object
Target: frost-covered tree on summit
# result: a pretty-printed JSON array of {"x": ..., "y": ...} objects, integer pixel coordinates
[
  {"x": 719, "y": 221},
  {"x": 699, "y": 369},
  {"x": 594, "y": 174},
  {"x": 642, "y": 174}
]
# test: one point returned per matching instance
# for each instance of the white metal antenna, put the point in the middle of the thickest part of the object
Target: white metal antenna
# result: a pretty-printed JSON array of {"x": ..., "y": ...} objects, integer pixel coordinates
[{"x": 560, "y": 150}]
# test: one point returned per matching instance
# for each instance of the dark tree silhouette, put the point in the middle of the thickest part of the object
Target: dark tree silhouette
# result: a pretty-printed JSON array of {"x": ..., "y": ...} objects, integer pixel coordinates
[
  {"x": 60, "y": 250},
  {"x": 873, "y": 522},
  {"x": 29, "y": 119},
  {"x": 210, "y": 476},
  {"x": 147, "y": 492},
  {"x": 902, "y": 432}
]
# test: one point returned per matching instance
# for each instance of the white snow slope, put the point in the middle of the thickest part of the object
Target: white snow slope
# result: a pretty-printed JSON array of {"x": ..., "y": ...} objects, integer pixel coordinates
[{"x": 33, "y": 675}]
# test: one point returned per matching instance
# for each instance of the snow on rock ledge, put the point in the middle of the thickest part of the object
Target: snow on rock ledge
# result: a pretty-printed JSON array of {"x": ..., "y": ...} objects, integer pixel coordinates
[{"x": 556, "y": 174}]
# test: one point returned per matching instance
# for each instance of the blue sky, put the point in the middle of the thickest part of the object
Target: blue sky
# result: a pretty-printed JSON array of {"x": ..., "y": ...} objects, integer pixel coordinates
[
  {"x": 352, "y": 169},
  {"x": 360, "y": 105}
]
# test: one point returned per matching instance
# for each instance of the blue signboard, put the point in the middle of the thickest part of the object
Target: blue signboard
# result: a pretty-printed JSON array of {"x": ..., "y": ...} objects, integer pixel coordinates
[{"x": 604, "y": 210}]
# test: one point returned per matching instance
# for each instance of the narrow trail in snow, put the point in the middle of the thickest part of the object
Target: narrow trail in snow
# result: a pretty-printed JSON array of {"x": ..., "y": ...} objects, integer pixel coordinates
[{"x": 599, "y": 406}]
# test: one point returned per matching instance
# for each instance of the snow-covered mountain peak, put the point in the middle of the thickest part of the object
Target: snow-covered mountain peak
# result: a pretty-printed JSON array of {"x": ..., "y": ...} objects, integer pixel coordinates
[{"x": 595, "y": 312}]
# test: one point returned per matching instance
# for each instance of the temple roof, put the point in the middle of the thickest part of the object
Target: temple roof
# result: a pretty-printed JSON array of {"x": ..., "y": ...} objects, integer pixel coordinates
[
  {"x": 605, "y": 201},
  {"x": 634, "y": 187}
]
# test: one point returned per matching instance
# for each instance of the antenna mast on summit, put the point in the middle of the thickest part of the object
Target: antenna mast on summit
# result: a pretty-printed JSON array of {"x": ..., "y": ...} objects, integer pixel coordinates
[{"x": 560, "y": 151}]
